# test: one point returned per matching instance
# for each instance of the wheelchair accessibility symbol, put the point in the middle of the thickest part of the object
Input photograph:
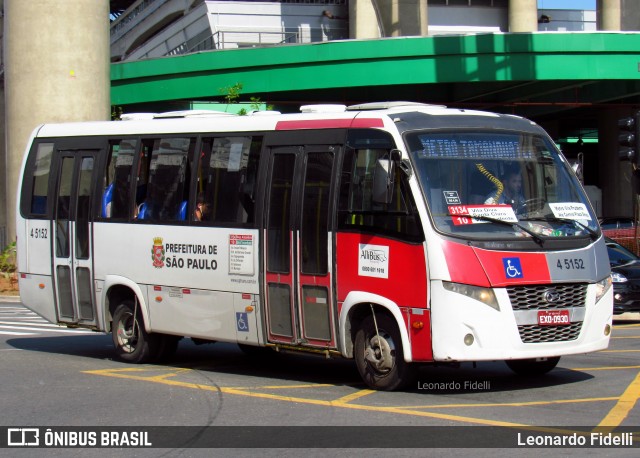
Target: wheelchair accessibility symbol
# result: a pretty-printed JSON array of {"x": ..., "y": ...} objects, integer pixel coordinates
[
  {"x": 512, "y": 268},
  {"x": 242, "y": 322}
]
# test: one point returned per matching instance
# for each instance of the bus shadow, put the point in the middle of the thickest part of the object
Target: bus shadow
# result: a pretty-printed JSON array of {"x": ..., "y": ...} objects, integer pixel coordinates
[
  {"x": 226, "y": 358},
  {"x": 98, "y": 346}
]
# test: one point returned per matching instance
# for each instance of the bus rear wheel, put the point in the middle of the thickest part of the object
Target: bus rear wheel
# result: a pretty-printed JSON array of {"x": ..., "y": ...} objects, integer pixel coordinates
[
  {"x": 534, "y": 366},
  {"x": 379, "y": 355},
  {"x": 133, "y": 344}
]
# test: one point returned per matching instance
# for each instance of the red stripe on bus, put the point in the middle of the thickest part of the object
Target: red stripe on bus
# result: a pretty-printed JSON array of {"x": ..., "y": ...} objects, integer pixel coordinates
[{"x": 329, "y": 123}]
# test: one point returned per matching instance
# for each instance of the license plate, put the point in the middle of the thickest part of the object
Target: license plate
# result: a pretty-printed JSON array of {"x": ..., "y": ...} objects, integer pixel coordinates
[{"x": 553, "y": 318}]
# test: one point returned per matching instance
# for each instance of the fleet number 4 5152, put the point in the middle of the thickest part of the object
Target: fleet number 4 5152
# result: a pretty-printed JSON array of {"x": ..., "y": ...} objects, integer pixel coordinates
[{"x": 570, "y": 264}]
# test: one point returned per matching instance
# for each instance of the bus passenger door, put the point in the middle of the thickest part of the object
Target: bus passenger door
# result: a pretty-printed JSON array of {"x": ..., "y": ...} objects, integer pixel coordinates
[
  {"x": 298, "y": 256},
  {"x": 72, "y": 242}
]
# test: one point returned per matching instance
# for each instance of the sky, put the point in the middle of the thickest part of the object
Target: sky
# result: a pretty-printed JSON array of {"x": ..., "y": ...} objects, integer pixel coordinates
[{"x": 567, "y": 4}]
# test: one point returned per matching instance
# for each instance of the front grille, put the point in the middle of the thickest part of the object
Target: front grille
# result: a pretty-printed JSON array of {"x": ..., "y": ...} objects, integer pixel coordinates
[
  {"x": 533, "y": 333},
  {"x": 532, "y": 297}
]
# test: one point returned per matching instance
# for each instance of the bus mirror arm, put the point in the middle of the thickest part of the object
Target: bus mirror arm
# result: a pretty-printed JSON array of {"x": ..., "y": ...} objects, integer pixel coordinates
[{"x": 403, "y": 164}]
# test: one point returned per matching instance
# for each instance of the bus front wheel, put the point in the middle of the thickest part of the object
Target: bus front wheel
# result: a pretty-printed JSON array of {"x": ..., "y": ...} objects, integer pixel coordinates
[
  {"x": 533, "y": 366},
  {"x": 133, "y": 344},
  {"x": 379, "y": 355}
]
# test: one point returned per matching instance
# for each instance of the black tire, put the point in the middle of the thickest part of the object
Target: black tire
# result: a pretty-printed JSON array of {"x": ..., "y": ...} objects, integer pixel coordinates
[
  {"x": 167, "y": 346},
  {"x": 389, "y": 375},
  {"x": 133, "y": 344},
  {"x": 532, "y": 367}
]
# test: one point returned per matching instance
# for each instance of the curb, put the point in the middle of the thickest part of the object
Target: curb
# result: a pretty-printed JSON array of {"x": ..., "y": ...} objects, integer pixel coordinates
[{"x": 10, "y": 299}]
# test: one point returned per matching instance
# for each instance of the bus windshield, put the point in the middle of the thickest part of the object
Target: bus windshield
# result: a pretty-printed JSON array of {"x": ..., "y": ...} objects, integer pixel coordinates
[{"x": 489, "y": 185}]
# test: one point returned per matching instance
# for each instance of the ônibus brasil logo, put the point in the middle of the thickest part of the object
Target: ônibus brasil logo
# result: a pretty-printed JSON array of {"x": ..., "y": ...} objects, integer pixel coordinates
[{"x": 157, "y": 253}]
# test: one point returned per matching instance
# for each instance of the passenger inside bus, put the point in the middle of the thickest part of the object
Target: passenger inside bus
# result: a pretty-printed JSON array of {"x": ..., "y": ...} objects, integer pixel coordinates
[{"x": 202, "y": 211}]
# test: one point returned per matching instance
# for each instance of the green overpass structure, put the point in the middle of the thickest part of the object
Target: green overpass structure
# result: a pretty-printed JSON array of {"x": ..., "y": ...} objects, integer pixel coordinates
[{"x": 531, "y": 74}]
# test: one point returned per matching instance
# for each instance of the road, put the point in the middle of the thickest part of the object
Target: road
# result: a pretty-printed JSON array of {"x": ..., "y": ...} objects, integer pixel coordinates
[{"x": 60, "y": 377}]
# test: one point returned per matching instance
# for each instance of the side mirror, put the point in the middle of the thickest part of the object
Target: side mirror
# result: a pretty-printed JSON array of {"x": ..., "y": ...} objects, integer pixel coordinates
[{"x": 384, "y": 176}]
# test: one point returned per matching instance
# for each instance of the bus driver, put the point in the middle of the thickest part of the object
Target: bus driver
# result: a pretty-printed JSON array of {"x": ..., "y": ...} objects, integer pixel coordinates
[{"x": 511, "y": 193}]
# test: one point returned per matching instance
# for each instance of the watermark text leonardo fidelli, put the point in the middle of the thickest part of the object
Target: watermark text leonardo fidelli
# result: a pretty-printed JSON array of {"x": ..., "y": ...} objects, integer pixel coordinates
[{"x": 455, "y": 385}]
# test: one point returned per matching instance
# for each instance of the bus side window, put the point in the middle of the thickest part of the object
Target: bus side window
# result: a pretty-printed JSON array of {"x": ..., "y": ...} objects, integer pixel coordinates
[
  {"x": 227, "y": 174},
  {"x": 39, "y": 166},
  {"x": 358, "y": 211},
  {"x": 116, "y": 202},
  {"x": 168, "y": 178}
]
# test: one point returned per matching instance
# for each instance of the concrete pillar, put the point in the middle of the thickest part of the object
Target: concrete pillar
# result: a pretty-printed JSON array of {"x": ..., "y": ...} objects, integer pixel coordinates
[
  {"x": 523, "y": 16},
  {"x": 608, "y": 15},
  {"x": 615, "y": 176},
  {"x": 629, "y": 15},
  {"x": 3, "y": 173},
  {"x": 56, "y": 62},
  {"x": 388, "y": 18},
  {"x": 3, "y": 161},
  {"x": 404, "y": 18},
  {"x": 363, "y": 20}
]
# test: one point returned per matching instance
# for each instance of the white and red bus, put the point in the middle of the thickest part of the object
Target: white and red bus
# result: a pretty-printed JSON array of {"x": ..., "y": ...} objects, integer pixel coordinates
[{"x": 377, "y": 232}]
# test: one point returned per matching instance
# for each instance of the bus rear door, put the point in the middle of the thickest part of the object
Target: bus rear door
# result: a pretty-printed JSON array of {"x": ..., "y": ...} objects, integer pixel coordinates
[
  {"x": 298, "y": 255},
  {"x": 75, "y": 172}
]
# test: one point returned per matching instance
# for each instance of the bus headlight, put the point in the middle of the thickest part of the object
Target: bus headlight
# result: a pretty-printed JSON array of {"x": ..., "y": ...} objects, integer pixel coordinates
[
  {"x": 617, "y": 277},
  {"x": 484, "y": 295},
  {"x": 602, "y": 287}
]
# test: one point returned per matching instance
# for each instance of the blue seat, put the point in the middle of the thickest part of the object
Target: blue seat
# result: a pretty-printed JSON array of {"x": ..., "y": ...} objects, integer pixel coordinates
[
  {"x": 106, "y": 200},
  {"x": 142, "y": 212},
  {"x": 182, "y": 212}
]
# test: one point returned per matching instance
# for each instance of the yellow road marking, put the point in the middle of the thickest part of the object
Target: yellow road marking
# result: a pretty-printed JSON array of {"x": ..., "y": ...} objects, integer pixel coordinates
[
  {"x": 241, "y": 392},
  {"x": 619, "y": 351},
  {"x": 352, "y": 396},
  {"x": 516, "y": 404},
  {"x": 622, "y": 326},
  {"x": 281, "y": 387},
  {"x": 605, "y": 368},
  {"x": 618, "y": 413},
  {"x": 621, "y": 410}
]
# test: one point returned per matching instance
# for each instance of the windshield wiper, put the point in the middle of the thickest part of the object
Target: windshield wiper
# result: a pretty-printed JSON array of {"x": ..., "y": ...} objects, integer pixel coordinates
[
  {"x": 536, "y": 237},
  {"x": 592, "y": 234}
]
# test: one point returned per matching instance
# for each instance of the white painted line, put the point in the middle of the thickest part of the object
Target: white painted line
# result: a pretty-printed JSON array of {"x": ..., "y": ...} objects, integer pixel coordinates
[
  {"x": 29, "y": 318},
  {"x": 68, "y": 331},
  {"x": 41, "y": 324}
]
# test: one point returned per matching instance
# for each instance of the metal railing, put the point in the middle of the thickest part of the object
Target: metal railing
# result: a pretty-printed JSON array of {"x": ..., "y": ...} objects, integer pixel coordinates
[{"x": 236, "y": 39}]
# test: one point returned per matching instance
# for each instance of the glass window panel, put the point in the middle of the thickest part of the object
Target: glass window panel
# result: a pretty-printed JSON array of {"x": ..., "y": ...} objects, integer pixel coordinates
[
  {"x": 168, "y": 178},
  {"x": 83, "y": 208},
  {"x": 40, "y": 182},
  {"x": 315, "y": 213},
  {"x": 227, "y": 174},
  {"x": 116, "y": 199},
  {"x": 358, "y": 211},
  {"x": 63, "y": 207},
  {"x": 279, "y": 227}
]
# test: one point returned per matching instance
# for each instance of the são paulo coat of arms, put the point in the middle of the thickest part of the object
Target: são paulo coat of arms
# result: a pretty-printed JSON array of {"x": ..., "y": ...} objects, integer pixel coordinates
[{"x": 157, "y": 253}]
